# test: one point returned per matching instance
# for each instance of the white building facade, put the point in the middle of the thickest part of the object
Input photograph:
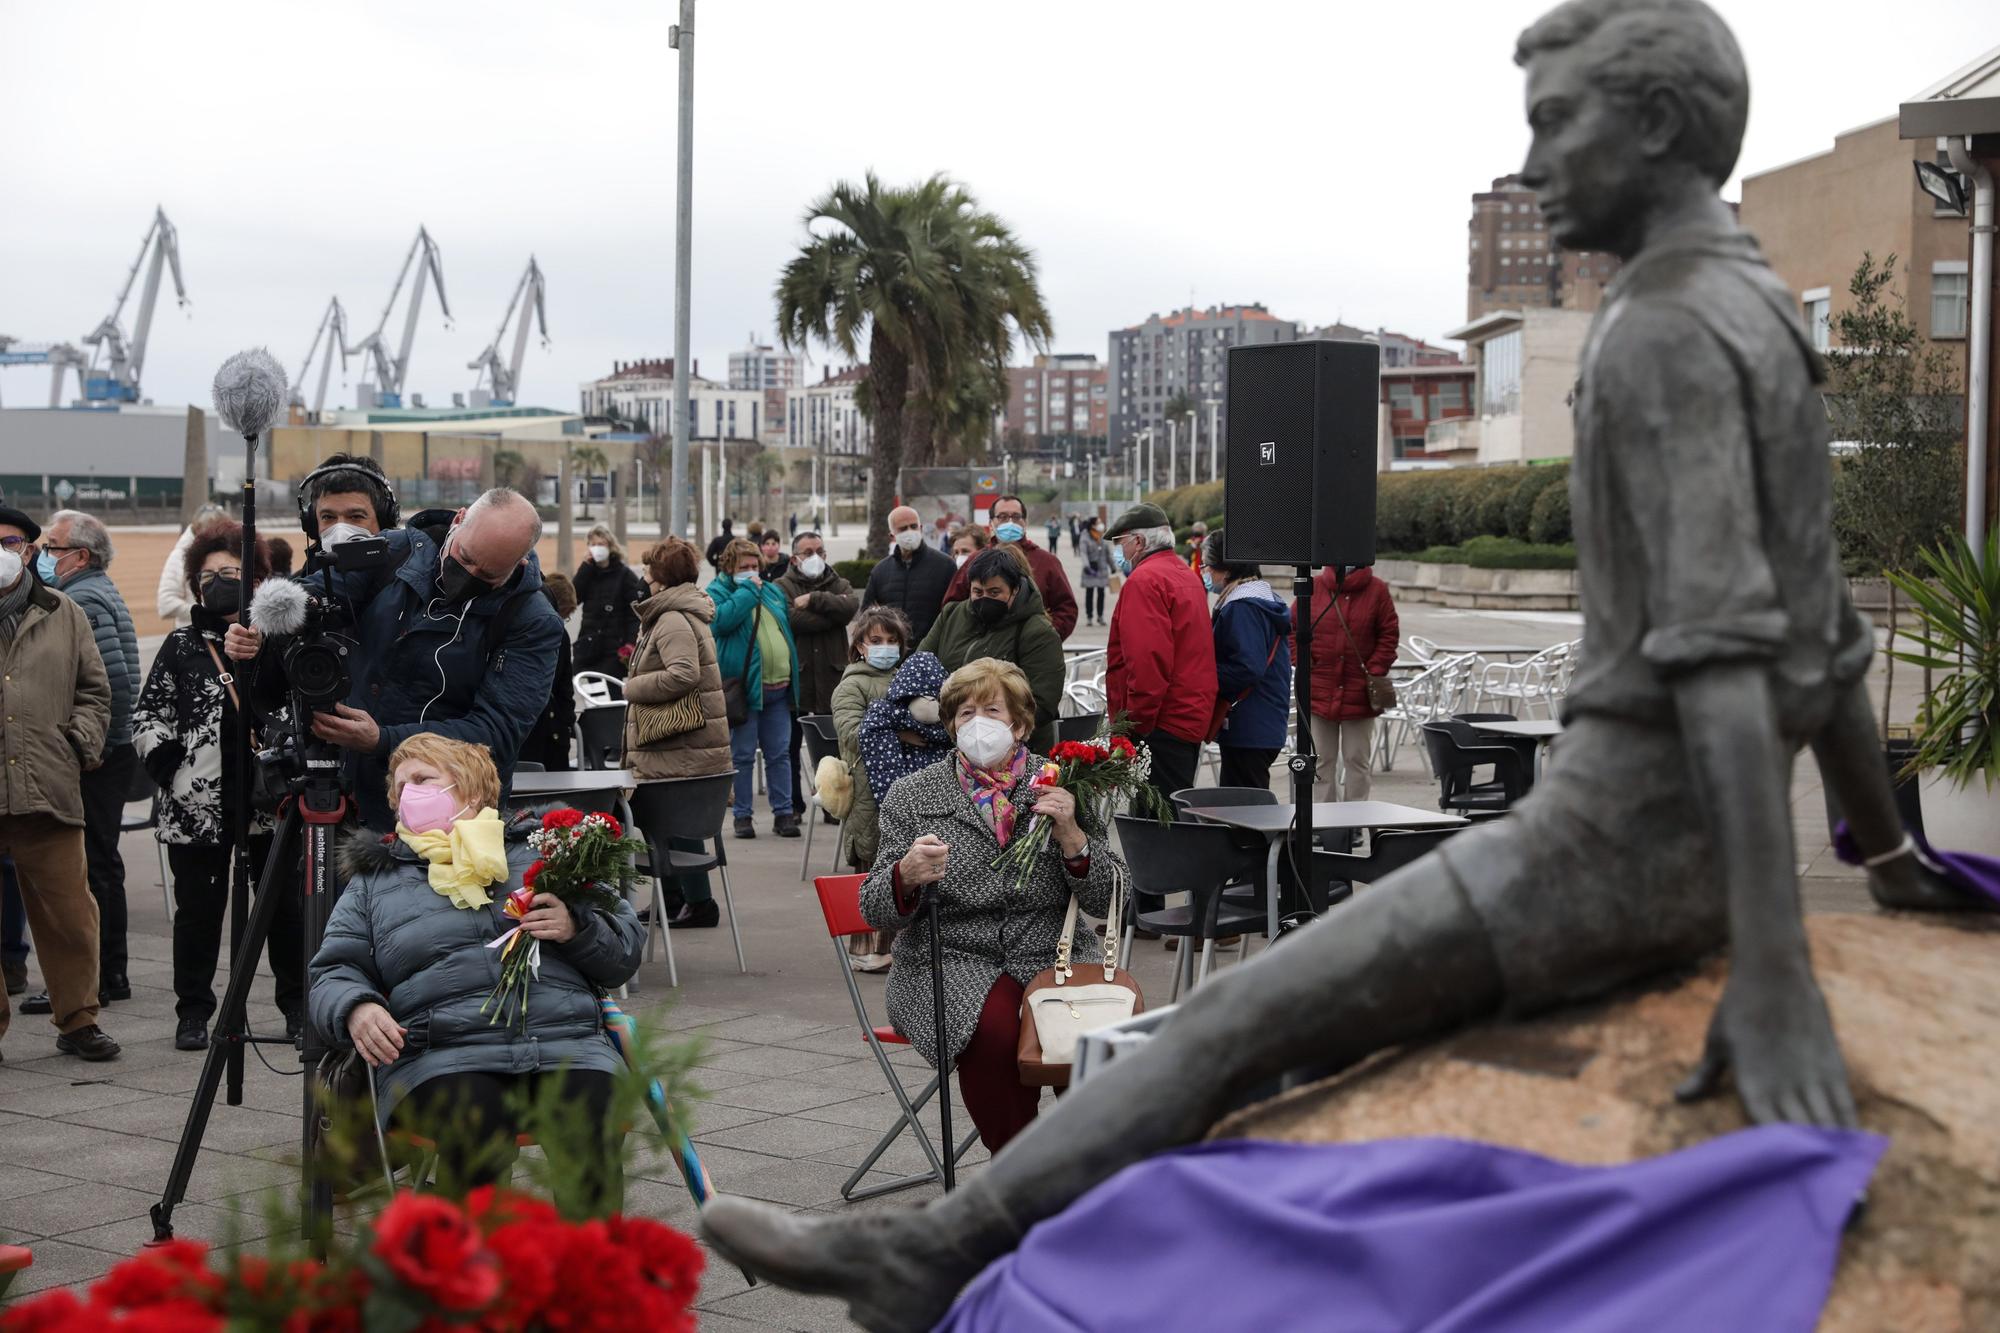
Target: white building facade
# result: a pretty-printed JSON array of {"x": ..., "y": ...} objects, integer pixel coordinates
[{"x": 826, "y": 418}]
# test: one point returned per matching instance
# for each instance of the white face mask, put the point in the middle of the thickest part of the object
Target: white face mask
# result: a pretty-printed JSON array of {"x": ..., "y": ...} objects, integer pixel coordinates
[
  {"x": 599, "y": 552},
  {"x": 10, "y": 567},
  {"x": 333, "y": 534},
  {"x": 985, "y": 741},
  {"x": 910, "y": 539},
  {"x": 960, "y": 559},
  {"x": 812, "y": 566}
]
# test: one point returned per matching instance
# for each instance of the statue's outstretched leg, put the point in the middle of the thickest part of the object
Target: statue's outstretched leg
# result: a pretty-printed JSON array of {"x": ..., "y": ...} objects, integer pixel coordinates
[
  {"x": 1406, "y": 960},
  {"x": 1850, "y": 762}
]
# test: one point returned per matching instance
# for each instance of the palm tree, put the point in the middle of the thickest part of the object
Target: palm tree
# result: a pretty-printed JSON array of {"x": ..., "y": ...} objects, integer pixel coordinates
[
  {"x": 587, "y": 460},
  {"x": 938, "y": 288}
]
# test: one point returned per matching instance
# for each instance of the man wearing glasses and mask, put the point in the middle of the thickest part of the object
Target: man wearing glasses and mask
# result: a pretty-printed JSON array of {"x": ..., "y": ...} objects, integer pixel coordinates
[{"x": 452, "y": 640}]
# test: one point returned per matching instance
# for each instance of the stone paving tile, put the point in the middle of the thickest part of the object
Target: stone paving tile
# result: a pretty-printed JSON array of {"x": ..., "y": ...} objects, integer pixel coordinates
[
  {"x": 903, "y": 1157},
  {"x": 802, "y": 1184},
  {"x": 79, "y": 1205},
  {"x": 710, "y": 1116},
  {"x": 774, "y": 1307},
  {"x": 784, "y": 1137},
  {"x": 75, "y": 1101},
  {"x": 770, "y": 1061},
  {"x": 866, "y": 1075},
  {"x": 58, "y": 1264},
  {"x": 18, "y": 1182},
  {"x": 230, "y": 1129},
  {"x": 765, "y": 1029},
  {"x": 724, "y": 1165},
  {"x": 785, "y": 1096},
  {"x": 220, "y": 1224}
]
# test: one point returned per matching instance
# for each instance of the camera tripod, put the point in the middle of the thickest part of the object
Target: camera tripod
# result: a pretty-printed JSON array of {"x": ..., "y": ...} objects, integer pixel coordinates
[{"x": 309, "y": 816}]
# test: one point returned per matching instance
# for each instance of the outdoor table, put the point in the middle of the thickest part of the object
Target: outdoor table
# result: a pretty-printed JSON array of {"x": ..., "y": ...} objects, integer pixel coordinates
[
  {"x": 1275, "y": 823},
  {"x": 588, "y": 789},
  {"x": 1539, "y": 730}
]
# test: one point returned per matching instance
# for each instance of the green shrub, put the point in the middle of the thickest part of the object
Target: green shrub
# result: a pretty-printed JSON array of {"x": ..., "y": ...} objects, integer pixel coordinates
[
  {"x": 1396, "y": 511},
  {"x": 1481, "y": 507},
  {"x": 1495, "y": 553},
  {"x": 854, "y": 571},
  {"x": 1521, "y": 508},
  {"x": 1549, "y": 524}
]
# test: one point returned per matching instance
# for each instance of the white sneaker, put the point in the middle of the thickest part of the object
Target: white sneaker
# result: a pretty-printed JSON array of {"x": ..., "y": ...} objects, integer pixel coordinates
[{"x": 874, "y": 962}]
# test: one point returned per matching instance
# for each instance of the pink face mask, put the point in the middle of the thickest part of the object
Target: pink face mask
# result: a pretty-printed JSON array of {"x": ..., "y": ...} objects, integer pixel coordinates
[{"x": 426, "y": 809}]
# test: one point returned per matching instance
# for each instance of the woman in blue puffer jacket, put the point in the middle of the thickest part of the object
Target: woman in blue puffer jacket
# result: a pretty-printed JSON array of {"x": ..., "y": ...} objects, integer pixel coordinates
[
  {"x": 1253, "y": 667},
  {"x": 404, "y": 972}
]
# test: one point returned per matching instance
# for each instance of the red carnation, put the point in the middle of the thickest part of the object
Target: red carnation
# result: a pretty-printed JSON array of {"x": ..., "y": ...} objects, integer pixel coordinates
[
  {"x": 433, "y": 1249},
  {"x": 1124, "y": 746},
  {"x": 563, "y": 818},
  {"x": 616, "y": 829},
  {"x": 533, "y": 872},
  {"x": 174, "y": 1272}
]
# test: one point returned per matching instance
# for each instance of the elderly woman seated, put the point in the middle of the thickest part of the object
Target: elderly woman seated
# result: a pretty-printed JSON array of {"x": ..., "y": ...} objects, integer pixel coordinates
[
  {"x": 405, "y": 970},
  {"x": 941, "y": 827}
]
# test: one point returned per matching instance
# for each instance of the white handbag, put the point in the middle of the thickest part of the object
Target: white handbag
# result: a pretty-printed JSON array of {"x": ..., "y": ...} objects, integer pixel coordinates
[{"x": 1056, "y": 1010}]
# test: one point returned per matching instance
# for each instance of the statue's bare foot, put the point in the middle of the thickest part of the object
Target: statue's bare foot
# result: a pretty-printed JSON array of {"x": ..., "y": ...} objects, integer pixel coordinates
[
  {"x": 892, "y": 1269},
  {"x": 1907, "y": 884}
]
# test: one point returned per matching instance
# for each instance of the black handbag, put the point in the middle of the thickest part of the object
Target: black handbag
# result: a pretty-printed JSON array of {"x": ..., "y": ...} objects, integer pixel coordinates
[
  {"x": 736, "y": 692},
  {"x": 345, "y": 1159}
]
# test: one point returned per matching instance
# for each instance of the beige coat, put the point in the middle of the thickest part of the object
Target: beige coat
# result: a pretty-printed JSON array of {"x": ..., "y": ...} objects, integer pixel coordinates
[
  {"x": 55, "y": 704},
  {"x": 676, "y": 654}
]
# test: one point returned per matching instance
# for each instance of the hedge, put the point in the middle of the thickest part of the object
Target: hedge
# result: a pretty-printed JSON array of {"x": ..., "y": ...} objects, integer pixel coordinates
[
  {"x": 854, "y": 571},
  {"x": 1498, "y": 553}
]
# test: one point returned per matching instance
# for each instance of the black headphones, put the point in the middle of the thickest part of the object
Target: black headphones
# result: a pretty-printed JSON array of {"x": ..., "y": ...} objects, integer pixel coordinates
[{"x": 386, "y": 513}]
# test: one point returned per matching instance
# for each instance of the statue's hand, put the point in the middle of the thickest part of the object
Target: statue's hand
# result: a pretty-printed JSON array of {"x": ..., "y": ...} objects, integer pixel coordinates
[{"x": 1776, "y": 1033}]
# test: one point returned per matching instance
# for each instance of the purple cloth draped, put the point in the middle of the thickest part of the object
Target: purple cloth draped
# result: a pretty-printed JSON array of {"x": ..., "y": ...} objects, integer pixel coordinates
[
  {"x": 1968, "y": 872},
  {"x": 1442, "y": 1235}
]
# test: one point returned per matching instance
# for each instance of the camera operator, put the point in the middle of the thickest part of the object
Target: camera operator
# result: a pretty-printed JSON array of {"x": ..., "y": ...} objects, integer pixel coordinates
[{"x": 452, "y": 637}]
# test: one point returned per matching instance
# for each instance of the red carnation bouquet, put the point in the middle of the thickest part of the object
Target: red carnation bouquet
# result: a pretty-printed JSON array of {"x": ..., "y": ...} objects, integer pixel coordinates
[
  {"x": 1097, "y": 772},
  {"x": 501, "y": 1261},
  {"x": 580, "y": 857}
]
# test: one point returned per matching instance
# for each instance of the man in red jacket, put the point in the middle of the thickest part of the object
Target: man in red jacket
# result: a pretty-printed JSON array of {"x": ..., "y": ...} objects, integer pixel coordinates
[
  {"x": 1010, "y": 526},
  {"x": 1344, "y": 656},
  {"x": 1159, "y": 670}
]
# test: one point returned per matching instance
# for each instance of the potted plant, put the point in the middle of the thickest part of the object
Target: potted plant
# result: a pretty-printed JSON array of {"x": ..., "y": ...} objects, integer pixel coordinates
[{"x": 1957, "y": 603}]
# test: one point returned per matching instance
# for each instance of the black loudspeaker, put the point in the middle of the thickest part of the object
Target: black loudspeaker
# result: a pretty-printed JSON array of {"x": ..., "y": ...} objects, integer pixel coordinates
[{"x": 1301, "y": 453}]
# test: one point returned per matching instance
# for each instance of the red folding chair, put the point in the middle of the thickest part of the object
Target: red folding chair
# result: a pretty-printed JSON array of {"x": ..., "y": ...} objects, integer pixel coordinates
[{"x": 840, "y": 901}]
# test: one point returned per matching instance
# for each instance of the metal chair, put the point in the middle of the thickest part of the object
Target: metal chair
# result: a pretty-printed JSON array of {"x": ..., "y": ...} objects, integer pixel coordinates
[
  {"x": 1389, "y": 850},
  {"x": 822, "y": 741},
  {"x": 143, "y": 789},
  {"x": 1457, "y": 752},
  {"x": 1199, "y": 860},
  {"x": 600, "y": 735},
  {"x": 1259, "y": 888},
  {"x": 692, "y": 809},
  {"x": 840, "y": 904},
  {"x": 1079, "y": 727},
  {"x": 595, "y": 687}
]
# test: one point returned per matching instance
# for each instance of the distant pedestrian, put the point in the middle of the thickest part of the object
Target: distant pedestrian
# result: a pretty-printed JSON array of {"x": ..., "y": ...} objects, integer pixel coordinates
[
  {"x": 771, "y": 550},
  {"x": 57, "y": 703},
  {"x": 1075, "y": 535},
  {"x": 913, "y": 576},
  {"x": 1096, "y": 572},
  {"x": 76, "y": 560},
  {"x": 1253, "y": 668},
  {"x": 753, "y": 645},
  {"x": 792, "y": 523},
  {"x": 1196, "y": 536},
  {"x": 717, "y": 543},
  {"x": 941, "y": 533},
  {"x": 1159, "y": 667},
  {"x": 1351, "y": 642},
  {"x": 1055, "y": 530},
  {"x": 608, "y": 590}
]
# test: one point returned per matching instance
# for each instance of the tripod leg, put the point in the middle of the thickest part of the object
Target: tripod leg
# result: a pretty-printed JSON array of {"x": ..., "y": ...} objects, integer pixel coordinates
[
  {"x": 229, "y": 1034},
  {"x": 316, "y": 1220}
]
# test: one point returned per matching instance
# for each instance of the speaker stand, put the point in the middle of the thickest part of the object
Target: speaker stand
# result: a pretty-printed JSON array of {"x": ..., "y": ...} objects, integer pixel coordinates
[{"x": 1305, "y": 762}]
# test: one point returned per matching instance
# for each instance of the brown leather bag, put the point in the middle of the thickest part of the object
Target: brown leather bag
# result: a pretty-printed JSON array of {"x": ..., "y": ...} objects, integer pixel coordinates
[
  {"x": 1381, "y": 690},
  {"x": 1073, "y": 1007}
]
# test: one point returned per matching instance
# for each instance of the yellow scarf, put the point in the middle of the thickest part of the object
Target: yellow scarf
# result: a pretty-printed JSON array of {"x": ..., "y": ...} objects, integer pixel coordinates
[{"x": 465, "y": 858}]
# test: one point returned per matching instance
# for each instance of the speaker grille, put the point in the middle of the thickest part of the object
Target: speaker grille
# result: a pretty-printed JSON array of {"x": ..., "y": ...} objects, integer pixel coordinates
[{"x": 1301, "y": 462}]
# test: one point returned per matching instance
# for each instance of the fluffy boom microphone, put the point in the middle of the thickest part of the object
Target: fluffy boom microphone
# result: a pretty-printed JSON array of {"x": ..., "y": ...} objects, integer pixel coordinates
[
  {"x": 250, "y": 391},
  {"x": 279, "y": 607}
]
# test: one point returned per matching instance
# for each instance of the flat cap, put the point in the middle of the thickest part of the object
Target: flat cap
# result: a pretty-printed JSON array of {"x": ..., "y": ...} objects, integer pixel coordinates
[
  {"x": 1138, "y": 518},
  {"x": 16, "y": 518}
]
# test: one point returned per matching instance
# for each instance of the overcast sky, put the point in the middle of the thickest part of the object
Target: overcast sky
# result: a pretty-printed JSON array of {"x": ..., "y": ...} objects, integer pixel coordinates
[{"x": 1314, "y": 156}]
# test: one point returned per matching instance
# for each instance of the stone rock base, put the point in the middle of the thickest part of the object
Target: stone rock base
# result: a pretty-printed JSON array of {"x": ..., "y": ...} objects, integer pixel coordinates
[{"x": 1916, "y": 1002}]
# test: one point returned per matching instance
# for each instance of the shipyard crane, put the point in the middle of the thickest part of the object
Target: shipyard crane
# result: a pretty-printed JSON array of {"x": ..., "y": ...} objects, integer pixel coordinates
[
  {"x": 506, "y": 378},
  {"x": 61, "y": 358},
  {"x": 389, "y": 373},
  {"x": 118, "y": 381},
  {"x": 333, "y": 328}
]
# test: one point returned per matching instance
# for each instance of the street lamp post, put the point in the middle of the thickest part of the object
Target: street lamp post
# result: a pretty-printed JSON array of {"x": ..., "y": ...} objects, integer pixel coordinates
[
  {"x": 1173, "y": 453},
  {"x": 1214, "y": 439},
  {"x": 681, "y": 38}
]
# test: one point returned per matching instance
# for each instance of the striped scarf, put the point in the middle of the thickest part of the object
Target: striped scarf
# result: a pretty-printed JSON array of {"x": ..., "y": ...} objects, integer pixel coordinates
[{"x": 988, "y": 790}]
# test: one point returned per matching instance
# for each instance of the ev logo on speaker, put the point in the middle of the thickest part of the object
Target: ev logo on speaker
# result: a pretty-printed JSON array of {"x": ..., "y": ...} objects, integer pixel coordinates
[{"x": 1267, "y": 453}]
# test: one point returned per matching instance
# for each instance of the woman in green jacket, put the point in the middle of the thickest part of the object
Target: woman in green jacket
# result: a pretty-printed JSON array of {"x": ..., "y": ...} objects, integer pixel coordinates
[
  {"x": 1003, "y": 618},
  {"x": 878, "y": 640},
  {"x": 753, "y": 645}
]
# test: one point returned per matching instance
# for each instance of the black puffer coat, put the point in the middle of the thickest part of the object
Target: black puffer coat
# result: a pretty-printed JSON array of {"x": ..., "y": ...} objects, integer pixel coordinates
[{"x": 606, "y": 593}]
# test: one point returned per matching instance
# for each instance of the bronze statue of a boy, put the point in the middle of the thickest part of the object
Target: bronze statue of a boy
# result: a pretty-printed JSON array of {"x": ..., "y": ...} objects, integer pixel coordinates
[{"x": 1719, "y": 640}]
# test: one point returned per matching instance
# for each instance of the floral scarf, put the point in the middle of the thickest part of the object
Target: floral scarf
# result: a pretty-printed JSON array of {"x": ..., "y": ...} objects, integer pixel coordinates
[{"x": 988, "y": 790}]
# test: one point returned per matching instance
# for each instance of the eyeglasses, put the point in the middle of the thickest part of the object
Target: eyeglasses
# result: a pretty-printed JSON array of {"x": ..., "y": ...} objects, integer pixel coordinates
[
  {"x": 15, "y": 544},
  {"x": 209, "y": 576}
]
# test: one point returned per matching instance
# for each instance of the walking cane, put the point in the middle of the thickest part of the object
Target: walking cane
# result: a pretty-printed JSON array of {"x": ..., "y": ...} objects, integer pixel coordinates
[{"x": 944, "y": 1065}]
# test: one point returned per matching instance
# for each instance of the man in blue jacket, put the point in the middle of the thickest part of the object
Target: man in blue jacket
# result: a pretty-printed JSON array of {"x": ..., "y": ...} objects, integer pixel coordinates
[
  {"x": 1253, "y": 666},
  {"x": 454, "y": 638}
]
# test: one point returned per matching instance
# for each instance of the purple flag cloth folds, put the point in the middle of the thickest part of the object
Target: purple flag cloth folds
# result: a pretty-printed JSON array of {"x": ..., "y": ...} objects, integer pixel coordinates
[
  {"x": 1969, "y": 872},
  {"x": 1442, "y": 1235}
]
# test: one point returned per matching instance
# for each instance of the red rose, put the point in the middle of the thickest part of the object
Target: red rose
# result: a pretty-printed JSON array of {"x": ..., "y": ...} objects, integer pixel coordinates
[
  {"x": 1124, "y": 746},
  {"x": 563, "y": 818},
  {"x": 433, "y": 1249},
  {"x": 174, "y": 1272}
]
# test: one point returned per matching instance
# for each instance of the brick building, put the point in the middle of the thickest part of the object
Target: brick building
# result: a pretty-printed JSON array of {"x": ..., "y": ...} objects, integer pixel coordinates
[
  {"x": 1057, "y": 398},
  {"x": 1414, "y": 396},
  {"x": 1185, "y": 352},
  {"x": 1512, "y": 263}
]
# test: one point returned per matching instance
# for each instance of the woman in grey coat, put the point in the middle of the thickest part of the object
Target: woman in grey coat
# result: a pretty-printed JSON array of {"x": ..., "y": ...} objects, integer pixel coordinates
[
  {"x": 941, "y": 827},
  {"x": 405, "y": 970},
  {"x": 1096, "y": 573}
]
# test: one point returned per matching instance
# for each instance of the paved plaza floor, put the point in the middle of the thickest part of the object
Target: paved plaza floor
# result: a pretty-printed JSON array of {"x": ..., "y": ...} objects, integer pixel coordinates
[{"x": 791, "y": 1099}]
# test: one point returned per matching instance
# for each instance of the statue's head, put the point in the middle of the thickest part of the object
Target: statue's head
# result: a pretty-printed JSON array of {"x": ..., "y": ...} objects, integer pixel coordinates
[{"x": 1630, "y": 102}]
